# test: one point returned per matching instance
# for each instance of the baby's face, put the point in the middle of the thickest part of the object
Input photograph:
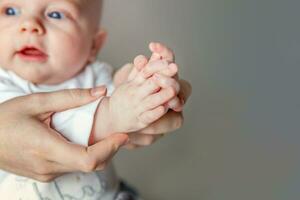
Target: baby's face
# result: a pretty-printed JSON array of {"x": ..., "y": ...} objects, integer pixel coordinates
[{"x": 48, "y": 41}]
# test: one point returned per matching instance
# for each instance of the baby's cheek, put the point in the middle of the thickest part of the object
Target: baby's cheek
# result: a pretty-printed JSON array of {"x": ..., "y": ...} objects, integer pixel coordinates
[{"x": 69, "y": 52}]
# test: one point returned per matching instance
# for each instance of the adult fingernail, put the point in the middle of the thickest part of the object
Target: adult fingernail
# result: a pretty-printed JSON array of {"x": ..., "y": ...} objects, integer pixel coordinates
[{"x": 98, "y": 91}]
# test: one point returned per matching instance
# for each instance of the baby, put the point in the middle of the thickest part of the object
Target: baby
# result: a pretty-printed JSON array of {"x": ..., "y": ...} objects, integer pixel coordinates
[{"x": 52, "y": 45}]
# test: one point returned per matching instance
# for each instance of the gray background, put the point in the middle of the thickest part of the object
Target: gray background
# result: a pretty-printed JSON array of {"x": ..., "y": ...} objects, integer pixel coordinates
[{"x": 240, "y": 139}]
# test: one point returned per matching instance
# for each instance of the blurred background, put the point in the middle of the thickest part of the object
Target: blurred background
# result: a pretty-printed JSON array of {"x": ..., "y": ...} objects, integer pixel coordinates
[{"x": 240, "y": 139}]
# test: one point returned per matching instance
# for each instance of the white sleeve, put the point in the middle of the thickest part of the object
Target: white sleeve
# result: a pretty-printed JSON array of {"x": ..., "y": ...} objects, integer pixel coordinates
[
  {"x": 9, "y": 90},
  {"x": 76, "y": 124}
]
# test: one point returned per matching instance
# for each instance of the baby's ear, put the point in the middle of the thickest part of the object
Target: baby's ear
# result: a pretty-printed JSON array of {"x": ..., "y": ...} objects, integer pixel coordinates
[{"x": 98, "y": 42}]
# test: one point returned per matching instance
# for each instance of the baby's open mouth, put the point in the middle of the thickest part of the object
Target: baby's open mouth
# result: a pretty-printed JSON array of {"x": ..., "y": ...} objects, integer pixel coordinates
[{"x": 30, "y": 53}]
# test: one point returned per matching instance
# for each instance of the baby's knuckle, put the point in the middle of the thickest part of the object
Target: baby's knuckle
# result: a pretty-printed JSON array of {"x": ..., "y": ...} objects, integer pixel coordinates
[
  {"x": 144, "y": 119},
  {"x": 172, "y": 91}
]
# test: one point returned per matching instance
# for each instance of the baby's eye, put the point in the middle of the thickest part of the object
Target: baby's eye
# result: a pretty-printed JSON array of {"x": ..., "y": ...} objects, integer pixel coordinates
[
  {"x": 10, "y": 11},
  {"x": 56, "y": 15}
]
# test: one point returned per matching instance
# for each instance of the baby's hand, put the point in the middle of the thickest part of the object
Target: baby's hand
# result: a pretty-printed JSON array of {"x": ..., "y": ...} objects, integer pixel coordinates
[
  {"x": 162, "y": 53},
  {"x": 134, "y": 105}
]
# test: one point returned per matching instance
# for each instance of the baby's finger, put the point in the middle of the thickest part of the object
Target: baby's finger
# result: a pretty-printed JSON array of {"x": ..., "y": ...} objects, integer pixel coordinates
[
  {"x": 151, "y": 116},
  {"x": 160, "y": 66},
  {"x": 166, "y": 82},
  {"x": 132, "y": 74},
  {"x": 140, "y": 62},
  {"x": 148, "y": 87},
  {"x": 175, "y": 104},
  {"x": 157, "y": 99},
  {"x": 155, "y": 56},
  {"x": 164, "y": 52}
]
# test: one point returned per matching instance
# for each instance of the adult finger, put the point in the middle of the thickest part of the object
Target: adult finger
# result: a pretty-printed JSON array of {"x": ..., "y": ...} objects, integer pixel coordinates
[
  {"x": 138, "y": 139},
  {"x": 185, "y": 91},
  {"x": 104, "y": 150},
  {"x": 79, "y": 157},
  {"x": 62, "y": 100},
  {"x": 170, "y": 122}
]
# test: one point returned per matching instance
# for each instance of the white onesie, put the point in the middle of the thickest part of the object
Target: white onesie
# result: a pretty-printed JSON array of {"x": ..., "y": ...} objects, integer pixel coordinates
[{"x": 74, "y": 124}]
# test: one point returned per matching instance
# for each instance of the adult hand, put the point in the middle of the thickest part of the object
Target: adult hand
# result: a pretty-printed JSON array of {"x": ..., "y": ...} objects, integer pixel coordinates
[
  {"x": 168, "y": 123},
  {"x": 30, "y": 147}
]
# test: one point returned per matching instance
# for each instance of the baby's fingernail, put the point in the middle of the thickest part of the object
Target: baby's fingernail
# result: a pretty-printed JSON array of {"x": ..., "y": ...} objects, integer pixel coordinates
[{"x": 98, "y": 91}]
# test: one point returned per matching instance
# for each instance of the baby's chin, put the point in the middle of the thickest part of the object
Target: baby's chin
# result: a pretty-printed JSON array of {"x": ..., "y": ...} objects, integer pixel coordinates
[{"x": 36, "y": 77}]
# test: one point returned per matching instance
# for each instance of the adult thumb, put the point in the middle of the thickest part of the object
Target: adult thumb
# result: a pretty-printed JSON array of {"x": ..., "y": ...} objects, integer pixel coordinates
[{"x": 104, "y": 150}]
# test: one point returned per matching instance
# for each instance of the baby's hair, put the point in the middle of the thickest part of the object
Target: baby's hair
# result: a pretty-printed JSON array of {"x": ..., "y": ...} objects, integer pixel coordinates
[{"x": 94, "y": 6}]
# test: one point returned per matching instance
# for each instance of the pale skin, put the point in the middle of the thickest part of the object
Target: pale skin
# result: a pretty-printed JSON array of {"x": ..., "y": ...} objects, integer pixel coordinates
[
  {"x": 28, "y": 27},
  {"x": 51, "y": 155},
  {"x": 52, "y": 28},
  {"x": 42, "y": 153},
  {"x": 150, "y": 134},
  {"x": 137, "y": 103}
]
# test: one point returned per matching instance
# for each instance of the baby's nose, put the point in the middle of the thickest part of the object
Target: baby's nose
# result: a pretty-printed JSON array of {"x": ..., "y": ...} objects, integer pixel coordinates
[{"x": 32, "y": 25}]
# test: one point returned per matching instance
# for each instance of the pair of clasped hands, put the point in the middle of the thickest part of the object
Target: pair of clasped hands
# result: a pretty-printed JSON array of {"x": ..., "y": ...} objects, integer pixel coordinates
[{"x": 30, "y": 147}]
